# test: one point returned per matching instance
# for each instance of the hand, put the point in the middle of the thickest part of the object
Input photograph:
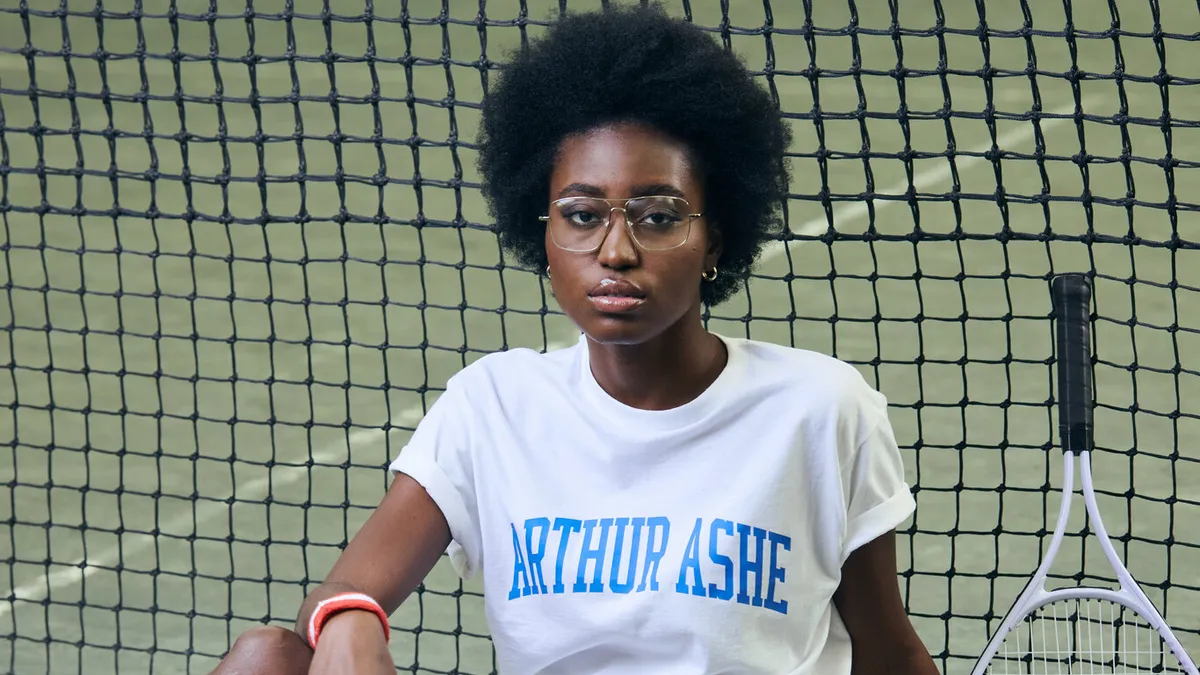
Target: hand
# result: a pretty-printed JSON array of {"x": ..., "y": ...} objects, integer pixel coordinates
[{"x": 352, "y": 643}]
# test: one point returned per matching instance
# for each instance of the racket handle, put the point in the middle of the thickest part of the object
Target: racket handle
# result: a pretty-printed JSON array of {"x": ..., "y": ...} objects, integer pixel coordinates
[{"x": 1072, "y": 307}]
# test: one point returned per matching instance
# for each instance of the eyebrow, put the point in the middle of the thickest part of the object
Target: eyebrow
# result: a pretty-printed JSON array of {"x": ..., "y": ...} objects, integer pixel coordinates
[
  {"x": 581, "y": 189},
  {"x": 664, "y": 189}
]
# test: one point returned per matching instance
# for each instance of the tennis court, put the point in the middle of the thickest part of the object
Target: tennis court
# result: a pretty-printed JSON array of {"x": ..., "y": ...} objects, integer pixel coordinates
[{"x": 236, "y": 271}]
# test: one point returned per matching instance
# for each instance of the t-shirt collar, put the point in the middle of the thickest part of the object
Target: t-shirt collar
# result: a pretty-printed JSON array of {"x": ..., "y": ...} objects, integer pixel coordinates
[{"x": 693, "y": 412}]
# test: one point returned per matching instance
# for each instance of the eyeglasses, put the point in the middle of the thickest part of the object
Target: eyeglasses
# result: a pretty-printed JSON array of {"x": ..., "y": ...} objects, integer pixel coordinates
[{"x": 656, "y": 223}]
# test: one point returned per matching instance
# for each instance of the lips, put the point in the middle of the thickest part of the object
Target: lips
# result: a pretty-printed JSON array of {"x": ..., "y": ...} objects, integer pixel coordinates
[
  {"x": 619, "y": 288},
  {"x": 616, "y": 296}
]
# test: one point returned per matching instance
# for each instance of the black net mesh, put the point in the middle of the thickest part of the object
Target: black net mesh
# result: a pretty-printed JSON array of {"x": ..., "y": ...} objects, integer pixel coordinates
[{"x": 243, "y": 249}]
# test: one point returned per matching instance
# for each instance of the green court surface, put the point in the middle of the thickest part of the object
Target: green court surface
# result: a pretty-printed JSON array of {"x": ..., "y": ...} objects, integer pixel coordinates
[{"x": 197, "y": 411}]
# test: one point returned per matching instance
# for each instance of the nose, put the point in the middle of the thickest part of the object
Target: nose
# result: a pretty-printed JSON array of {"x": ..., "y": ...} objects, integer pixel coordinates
[{"x": 618, "y": 250}]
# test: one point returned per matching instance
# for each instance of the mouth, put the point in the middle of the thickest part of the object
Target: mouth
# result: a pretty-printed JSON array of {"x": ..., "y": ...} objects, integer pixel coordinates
[
  {"x": 615, "y": 304},
  {"x": 616, "y": 296}
]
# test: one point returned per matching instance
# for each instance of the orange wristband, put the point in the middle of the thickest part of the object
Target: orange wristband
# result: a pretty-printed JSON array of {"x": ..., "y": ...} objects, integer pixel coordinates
[{"x": 340, "y": 603}]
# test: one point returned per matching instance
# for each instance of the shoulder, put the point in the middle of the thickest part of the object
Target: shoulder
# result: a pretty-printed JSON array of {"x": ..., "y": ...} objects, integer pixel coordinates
[
  {"x": 799, "y": 369},
  {"x": 515, "y": 369},
  {"x": 814, "y": 386}
]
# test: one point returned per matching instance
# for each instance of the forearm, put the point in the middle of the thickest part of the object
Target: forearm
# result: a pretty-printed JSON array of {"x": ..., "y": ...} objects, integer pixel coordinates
[
  {"x": 315, "y": 596},
  {"x": 352, "y": 642},
  {"x": 390, "y": 555}
]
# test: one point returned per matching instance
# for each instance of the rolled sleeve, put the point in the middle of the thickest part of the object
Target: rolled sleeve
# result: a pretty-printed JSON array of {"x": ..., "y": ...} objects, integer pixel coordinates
[
  {"x": 439, "y": 458},
  {"x": 878, "y": 497}
]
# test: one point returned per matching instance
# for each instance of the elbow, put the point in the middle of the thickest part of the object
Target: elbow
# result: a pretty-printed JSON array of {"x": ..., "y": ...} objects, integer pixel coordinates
[
  {"x": 907, "y": 656},
  {"x": 914, "y": 659}
]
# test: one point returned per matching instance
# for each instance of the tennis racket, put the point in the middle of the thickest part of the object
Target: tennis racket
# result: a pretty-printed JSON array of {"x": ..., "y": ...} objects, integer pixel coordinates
[{"x": 1080, "y": 629}]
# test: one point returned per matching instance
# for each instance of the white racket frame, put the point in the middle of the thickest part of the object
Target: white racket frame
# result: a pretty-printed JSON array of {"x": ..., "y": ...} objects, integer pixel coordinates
[{"x": 1035, "y": 596}]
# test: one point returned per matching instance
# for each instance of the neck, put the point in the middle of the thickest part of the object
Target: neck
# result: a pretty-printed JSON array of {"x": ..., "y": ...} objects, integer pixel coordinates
[{"x": 665, "y": 372}]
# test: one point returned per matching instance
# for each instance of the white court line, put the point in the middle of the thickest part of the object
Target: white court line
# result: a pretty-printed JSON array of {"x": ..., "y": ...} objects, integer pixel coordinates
[{"x": 257, "y": 489}]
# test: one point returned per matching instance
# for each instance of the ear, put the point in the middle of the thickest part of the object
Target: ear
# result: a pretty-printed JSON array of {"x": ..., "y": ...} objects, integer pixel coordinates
[{"x": 716, "y": 246}]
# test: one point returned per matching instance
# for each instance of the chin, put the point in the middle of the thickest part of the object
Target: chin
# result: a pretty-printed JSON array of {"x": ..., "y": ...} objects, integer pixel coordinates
[{"x": 617, "y": 330}]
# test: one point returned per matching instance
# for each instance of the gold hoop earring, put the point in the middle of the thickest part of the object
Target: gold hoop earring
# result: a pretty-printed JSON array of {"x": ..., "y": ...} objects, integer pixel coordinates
[{"x": 710, "y": 274}]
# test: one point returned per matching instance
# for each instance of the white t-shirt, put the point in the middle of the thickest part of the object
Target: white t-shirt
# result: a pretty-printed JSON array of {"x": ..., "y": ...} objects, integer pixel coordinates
[{"x": 704, "y": 539}]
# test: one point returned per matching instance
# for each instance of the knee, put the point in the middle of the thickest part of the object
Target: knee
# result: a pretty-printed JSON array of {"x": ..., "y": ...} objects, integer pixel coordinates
[
  {"x": 269, "y": 640},
  {"x": 266, "y": 649}
]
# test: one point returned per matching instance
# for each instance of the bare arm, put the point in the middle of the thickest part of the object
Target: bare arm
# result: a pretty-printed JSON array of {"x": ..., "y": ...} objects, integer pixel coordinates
[
  {"x": 388, "y": 558},
  {"x": 883, "y": 641}
]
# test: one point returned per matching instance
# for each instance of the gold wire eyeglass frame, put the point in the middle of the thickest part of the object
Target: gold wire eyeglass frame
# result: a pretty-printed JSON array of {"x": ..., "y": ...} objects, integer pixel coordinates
[{"x": 691, "y": 217}]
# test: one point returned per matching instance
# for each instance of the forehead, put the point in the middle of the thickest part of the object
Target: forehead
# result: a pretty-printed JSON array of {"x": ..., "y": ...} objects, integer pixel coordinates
[{"x": 613, "y": 157}]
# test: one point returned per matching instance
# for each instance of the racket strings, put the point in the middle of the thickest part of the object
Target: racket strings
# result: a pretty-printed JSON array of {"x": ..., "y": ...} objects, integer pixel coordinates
[{"x": 1084, "y": 637}]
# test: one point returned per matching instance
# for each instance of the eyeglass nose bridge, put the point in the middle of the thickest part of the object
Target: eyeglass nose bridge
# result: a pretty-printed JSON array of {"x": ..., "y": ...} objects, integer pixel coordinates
[
  {"x": 624, "y": 216},
  {"x": 608, "y": 223},
  {"x": 629, "y": 227}
]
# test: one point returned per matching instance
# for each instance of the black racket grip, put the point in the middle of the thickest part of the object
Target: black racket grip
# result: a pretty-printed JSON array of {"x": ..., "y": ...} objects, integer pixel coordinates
[{"x": 1072, "y": 307}]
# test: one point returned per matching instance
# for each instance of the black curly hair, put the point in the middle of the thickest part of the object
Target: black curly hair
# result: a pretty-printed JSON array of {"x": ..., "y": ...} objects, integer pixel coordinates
[{"x": 635, "y": 64}]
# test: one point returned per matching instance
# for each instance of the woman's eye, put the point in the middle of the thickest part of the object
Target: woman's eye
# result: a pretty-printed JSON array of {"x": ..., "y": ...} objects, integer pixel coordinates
[
  {"x": 583, "y": 218},
  {"x": 659, "y": 219}
]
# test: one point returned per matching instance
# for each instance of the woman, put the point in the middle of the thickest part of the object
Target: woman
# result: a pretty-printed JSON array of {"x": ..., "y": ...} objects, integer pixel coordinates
[{"x": 656, "y": 498}]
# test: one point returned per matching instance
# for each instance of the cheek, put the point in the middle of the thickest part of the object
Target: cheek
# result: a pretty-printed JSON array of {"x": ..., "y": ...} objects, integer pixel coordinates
[
  {"x": 684, "y": 273},
  {"x": 698, "y": 242},
  {"x": 696, "y": 250},
  {"x": 553, "y": 253}
]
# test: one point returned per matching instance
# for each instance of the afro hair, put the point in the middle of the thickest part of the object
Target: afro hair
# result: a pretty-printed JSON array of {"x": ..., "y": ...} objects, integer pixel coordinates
[{"x": 593, "y": 69}]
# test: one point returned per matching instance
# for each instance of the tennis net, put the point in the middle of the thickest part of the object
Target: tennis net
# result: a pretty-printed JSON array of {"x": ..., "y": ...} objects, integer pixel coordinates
[{"x": 243, "y": 248}]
